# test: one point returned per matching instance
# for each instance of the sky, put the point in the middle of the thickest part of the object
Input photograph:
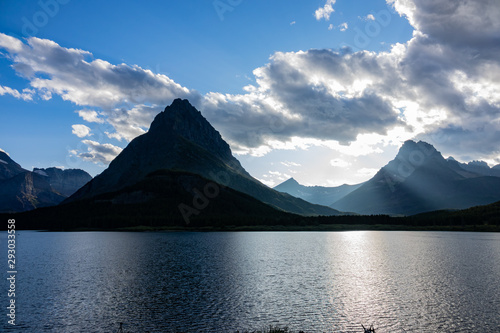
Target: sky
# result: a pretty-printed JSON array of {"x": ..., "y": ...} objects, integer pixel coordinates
[{"x": 324, "y": 91}]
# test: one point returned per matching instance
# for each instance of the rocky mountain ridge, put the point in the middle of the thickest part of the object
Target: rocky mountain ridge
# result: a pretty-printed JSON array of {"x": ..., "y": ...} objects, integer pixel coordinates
[
  {"x": 22, "y": 190},
  {"x": 418, "y": 180}
]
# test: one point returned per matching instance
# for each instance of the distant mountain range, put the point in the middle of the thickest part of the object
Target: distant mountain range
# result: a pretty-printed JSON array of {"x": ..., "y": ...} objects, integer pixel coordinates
[
  {"x": 316, "y": 194},
  {"x": 181, "y": 171},
  {"x": 418, "y": 180},
  {"x": 22, "y": 190}
]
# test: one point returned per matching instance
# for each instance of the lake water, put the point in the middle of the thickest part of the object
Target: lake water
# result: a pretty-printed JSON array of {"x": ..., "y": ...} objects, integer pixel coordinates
[{"x": 223, "y": 282}]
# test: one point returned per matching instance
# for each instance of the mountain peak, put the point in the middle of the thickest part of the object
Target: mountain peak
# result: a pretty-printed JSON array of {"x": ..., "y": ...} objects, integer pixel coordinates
[
  {"x": 181, "y": 139},
  {"x": 411, "y": 156},
  {"x": 175, "y": 115},
  {"x": 411, "y": 146},
  {"x": 181, "y": 119}
]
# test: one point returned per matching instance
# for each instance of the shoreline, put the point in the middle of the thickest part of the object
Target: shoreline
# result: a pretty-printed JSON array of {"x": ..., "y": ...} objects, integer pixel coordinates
[{"x": 289, "y": 228}]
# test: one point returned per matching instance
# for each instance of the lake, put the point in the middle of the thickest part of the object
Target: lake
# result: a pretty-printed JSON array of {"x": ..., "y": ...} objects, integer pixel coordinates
[{"x": 228, "y": 281}]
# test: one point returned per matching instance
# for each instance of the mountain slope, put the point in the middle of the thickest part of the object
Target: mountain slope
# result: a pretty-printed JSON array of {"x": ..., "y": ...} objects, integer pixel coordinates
[
  {"x": 180, "y": 138},
  {"x": 320, "y": 195},
  {"x": 162, "y": 198},
  {"x": 418, "y": 180},
  {"x": 22, "y": 190},
  {"x": 67, "y": 181},
  {"x": 8, "y": 168},
  {"x": 27, "y": 191}
]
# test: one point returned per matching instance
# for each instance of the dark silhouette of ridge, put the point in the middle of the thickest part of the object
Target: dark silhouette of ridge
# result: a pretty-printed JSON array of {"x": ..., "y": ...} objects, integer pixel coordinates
[
  {"x": 181, "y": 139},
  {"x": 419, "y": 180},
  {"x": 22, "y": 190}
]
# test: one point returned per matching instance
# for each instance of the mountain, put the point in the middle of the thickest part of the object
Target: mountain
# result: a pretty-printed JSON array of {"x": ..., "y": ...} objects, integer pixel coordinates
[
  {"x": 181, "y": 139},
  {"x": 162, "y": 198},
  {"x": 27, "y": 191},
  {"x": 477, "y": 167},
  {"x": 8, "y": 168},
  {"x": 316, "y": 194},
  {"x": 418, "y": 180},
  {"x": 22, "y": 190},
  {"x": 65, "y": 182}
]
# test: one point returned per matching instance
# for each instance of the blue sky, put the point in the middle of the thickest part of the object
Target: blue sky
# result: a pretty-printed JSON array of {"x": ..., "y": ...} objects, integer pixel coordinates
[{"x": 324, "y": 91}]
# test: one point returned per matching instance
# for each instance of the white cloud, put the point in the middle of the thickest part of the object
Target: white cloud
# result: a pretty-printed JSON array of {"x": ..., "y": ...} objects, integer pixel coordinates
[
  {"x": 325, "y": 11},
  {"x": 293, "y": 22},
  {"x": 90, "y": 115},
  {"x": 97, "y": 152},
  {"x": 77, "y": 77},
  {"x": 369, "y": 17},
  {"x": 344, "y": 26},
  {"x": 26, "y": 95},
  {"x": 330, "y": 27},
  {"x": 81, "y": 131}
]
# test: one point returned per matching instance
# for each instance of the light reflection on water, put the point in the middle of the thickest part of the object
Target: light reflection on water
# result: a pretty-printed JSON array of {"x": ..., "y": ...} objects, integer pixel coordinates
[{"x": 222, "y": 282}]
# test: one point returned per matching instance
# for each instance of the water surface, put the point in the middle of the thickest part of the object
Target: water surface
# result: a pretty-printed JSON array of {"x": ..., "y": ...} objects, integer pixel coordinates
[{"x": 223, "y": 282}]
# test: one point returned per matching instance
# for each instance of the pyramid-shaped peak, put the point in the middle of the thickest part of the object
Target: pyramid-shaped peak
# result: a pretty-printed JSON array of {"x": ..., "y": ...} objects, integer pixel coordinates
[
  {"x": 182, "y": 106},
  {"x": 180, "y": 111},
  {"x": 179, "y": 103},
  {"x": 290, "y": 182},
  {"x": 183, "y": 120}
]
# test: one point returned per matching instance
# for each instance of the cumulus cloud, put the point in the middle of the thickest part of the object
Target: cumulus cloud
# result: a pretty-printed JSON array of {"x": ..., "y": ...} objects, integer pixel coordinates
[
  {"x": 81, "y": 131},
  {"x": 90, "y": 115},
  {"x": 325, "y": 11},
  {"x": 26, "y": 95},
  {"x": 76, "y": 76},
  {"x": 97, "y": 152},
  {"x": 434, "y": 86},
  {"x": 318, "y": 94},
  {"x": 125, "y": 95},
  {"x": 343, "y": 26}
]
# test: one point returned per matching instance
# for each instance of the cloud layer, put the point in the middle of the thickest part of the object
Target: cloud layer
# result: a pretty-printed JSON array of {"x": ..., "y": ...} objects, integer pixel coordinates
[{"x": 443, "y": 85}]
